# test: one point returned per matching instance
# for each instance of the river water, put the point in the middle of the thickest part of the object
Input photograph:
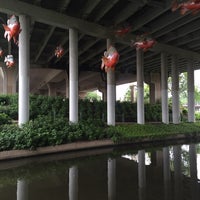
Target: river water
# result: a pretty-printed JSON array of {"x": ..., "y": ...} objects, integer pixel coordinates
[{"x": 142, "y": 173}]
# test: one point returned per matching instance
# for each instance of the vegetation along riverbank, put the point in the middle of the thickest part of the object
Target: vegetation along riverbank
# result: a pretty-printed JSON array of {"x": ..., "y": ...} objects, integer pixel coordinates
[{"x": 48, "y": 125}]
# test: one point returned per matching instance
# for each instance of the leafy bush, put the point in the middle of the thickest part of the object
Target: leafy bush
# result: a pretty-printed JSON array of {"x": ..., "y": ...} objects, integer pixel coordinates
[{"x": 4, "y": 119}]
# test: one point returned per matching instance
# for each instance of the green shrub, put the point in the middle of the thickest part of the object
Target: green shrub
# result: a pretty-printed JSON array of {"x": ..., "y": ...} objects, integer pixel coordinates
[{"x": 4, "y": 119}]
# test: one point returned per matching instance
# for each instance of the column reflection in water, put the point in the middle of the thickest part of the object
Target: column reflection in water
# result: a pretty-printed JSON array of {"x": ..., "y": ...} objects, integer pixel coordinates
[
  {"x": 111, "y": 179},
  {"x": 22, "y": 189},
  {"x": 177, "y": 172},
  {"x": 193, "y": 171},
  {"x": 166, "y": 173},
  {"x": 73, "y": 183},
  {"x": 141, "y": 175}
]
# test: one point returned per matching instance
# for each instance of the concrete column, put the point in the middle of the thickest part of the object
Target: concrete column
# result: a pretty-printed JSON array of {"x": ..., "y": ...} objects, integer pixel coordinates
[
  {"x": 111, "y": 94},
  {"x": 140, "y": 87},
  {"x": 104, "y": 93},
  {"x": 132, "y": 88},
  {"x": 155, "y": 87},
  {"x": 190, "y": 90},
  {"x": 51, "y": 89},
  {"x": 164, "y": 89},
  {"x": 24, "y": 68},
  {"x": 67, "y": 86},
  {"x": 73, "y": 76},
  {"x": 152, "y": 90},
  {"x": 175, "y": 91},
  {"x": 111, "y": 179},
  {"x": 22, "y": 190},
  {"x": 8, "y": 80},
  {"x": 73, "y": 183},
  {"x": 3, "y": 81}
]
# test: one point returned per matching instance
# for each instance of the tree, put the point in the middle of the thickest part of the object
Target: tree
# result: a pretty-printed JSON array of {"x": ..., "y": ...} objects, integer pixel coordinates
[
  {"x": 183, "y": 94},
  {"x": 127, "y": 96},
  {"x": 93, "y": 96}
]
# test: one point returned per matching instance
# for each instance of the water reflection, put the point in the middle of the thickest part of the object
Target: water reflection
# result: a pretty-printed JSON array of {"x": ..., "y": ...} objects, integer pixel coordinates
[
  {"x": 166, "y": 173},
  {"x": 22, "y": 189},
  {"x": 141, "y": 175},
  {"x": 111, "y": 179},
  {"x": 73, "y": 183}
]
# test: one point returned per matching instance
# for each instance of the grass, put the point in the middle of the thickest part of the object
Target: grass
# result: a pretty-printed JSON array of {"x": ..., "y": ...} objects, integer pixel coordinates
[{"x": 138, "y": 131}]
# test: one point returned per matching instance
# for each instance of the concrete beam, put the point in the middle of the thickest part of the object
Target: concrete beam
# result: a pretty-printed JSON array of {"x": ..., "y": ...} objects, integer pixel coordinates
[
  {"x": 52, "y": 18},
  {"x": 63, "y": 21},
  {"x": 47, "y": 79}
]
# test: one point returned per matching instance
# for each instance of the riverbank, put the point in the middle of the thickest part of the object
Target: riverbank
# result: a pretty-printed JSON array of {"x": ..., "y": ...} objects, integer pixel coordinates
[{"x": 76, "y": 147}]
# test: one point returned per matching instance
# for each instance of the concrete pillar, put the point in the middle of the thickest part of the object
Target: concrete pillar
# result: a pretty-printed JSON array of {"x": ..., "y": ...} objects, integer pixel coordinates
[
  {"x": 8, "y": 80},
  {"x": 67, "y": 86},
  {"x": 51, "y": 89},
  {"x": 73, "y": 183},
  {"x": 164, "y": 89},
  {"x": 104, "y": 93},
  {"x": 132, "y": 88},
  {"x": 152, "y": 91},
  {"x": 111, "y": 179},
  {"x": 73, "y": 75},
  {"x": 111, "y": 94},
  {"x": 3, "y": 81},
  {"x": 24, "y": 68},
  {"x": 175, "y": 91},
  {"x": 190, "y": 90},
  {"x": 155, "y": 87},
  {"x": 22, "y": 190},
  {"x": 140, "y": 87}
]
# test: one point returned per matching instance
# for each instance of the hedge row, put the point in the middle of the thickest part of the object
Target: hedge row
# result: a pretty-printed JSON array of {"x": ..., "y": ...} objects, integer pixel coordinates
[{"x": 59, "y": 107}]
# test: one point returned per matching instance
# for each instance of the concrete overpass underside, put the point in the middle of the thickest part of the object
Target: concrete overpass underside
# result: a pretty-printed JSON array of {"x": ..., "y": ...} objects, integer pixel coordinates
[{"x": 96, "y": 20}]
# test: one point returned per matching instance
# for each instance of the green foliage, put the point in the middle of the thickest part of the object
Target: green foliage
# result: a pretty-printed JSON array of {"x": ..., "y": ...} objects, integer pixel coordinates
[
  {"x": 4, "y": 119},
  {"x": 93, "y": 96},
  {"x": 47, "y": 131},
  {"x": 148, "y": 131}
]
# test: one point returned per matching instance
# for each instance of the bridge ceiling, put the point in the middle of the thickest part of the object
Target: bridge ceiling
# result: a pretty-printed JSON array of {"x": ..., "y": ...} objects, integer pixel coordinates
[{"x": 96, "y": 20}]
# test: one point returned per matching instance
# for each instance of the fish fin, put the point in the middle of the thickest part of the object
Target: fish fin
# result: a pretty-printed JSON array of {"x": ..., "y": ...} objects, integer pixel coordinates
[{"x": 6, "y": 28}]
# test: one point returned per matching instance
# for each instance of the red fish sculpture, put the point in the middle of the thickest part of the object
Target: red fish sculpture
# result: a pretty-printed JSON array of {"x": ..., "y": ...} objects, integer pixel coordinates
[
  {"x": 143, "y": 42},
  {"x": 59, "y": 51},
  {"x": 12, "y": 29},
  {"x": 9, "y": 60},
  {"x": 110, "y": 59},
  {"x": 145, "y": 45},
  {"x": 1, "y": 52},
  {"x": 122, "y": 31},
  {"x": 191, "y": 5}
]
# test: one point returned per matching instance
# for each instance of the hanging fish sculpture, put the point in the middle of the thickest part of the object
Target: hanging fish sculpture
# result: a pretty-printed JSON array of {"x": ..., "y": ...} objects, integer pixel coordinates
[
  {"x": 9, "y": 60},
  {"x": 143, "y": 42},
  {"x": 120, "y": 32},
  {"x": 59, "y": 51},
  {"x": 191, "y": 5},
  {"x": 110, "y": 59},
  {"x": 12, "y": 29},
  {"x": 1, "y": 52}
]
